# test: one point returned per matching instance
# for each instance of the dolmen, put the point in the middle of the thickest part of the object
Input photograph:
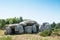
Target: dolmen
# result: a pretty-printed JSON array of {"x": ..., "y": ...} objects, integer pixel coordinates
[
  {"x": 27, "y": 26},
  {"x": 45, "y": 26},
  {"x": 14, "y": 29}
]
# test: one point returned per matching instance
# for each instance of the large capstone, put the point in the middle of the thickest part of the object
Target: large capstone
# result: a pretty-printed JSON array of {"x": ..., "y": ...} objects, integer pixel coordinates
[
  {"x": 28, "y": 29},
  {"x": 45, "y": 26},
  {"x": 28, "y": 23}
]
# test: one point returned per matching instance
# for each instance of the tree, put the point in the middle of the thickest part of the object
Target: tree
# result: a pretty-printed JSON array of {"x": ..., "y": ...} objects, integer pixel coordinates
[
  {"x": 21, "y": 19},
  {"x": 10, "y": 21},
  {"x": 57, "y": 26},
  {"x": 15, "y": 20},
  {"x": 7, "y": 21},
  {"x": 2, "y": 23},
  {"x": 53, "y": 25}
]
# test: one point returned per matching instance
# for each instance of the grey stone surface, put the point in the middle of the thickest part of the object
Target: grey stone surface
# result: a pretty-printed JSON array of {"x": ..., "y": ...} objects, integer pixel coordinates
[
  {"x": 28, "y": 22},
  {"x": 28, "y": 29},
  {"x": 34, "y": 29},
  {"x": 8, "y": 30},
  {"x": 45, "y": 26},
  {"x": 20, "y": 29}
]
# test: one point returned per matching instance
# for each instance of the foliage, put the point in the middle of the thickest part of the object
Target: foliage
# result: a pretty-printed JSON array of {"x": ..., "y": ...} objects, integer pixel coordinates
[
  {"x": 57, "y": 26},
  {"x": 56, "y": 32},
  {"x": 45, "y": 33},
  {"x": 21, "y": 19},
  {"x": 3, "y": 22},
  {"x": 14, "y": 20},
  {"x": 53, "y": 25},
  {"x": 11, "y": 21}
]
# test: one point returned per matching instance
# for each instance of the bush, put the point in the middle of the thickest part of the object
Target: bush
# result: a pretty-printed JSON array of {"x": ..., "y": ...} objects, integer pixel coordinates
[
  {"x": 53, "y": 25},
  {"x": 45, "y": 33},
  {"x": 57, "y": 26},
  {"x": 2, "y": 23},
  {"x": 56, "y": 32},
  {"x": 6, "y": 38}
]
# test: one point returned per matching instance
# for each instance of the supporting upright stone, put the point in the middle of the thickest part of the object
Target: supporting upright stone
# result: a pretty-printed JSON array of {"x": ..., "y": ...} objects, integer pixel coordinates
[
  {"x": 45, "y": 26},
  {"x": 8, "y": 30},
  {"x": 19, "y": 29},
  {"x": 34, "y": 28},
  {"x": 28, "y": 29}
]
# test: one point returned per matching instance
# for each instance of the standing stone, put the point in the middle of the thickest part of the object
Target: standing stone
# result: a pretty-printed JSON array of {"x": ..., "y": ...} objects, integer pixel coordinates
[
  {"x": 34, "y": 29},
  {"x": 19, "y": 29},
  {"x": 28, "y": 29},
  {"x": 8, "y": 30},
  {"x": 45, "y": 26}
]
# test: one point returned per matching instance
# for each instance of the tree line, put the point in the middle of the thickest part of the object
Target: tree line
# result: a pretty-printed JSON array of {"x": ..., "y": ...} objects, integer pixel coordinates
[
  {"x": 14, "y": 20},
  {"x": 55, "y": 25}
]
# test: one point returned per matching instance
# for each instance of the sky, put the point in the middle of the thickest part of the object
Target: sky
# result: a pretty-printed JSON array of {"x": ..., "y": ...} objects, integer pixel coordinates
[{"x": 38, "y": 10}]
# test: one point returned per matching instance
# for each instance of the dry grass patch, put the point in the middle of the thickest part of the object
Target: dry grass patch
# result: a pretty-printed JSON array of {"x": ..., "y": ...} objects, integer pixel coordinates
[
  {"x": 30, "y": 36},
  {"x": 2, "y": 32},
  {"x": 34, "y": 37}
]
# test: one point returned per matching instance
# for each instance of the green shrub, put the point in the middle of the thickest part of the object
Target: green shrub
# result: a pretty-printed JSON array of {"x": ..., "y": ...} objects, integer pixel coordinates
[
  {"x": 56, "y": 32},
  {"x": 6, "y": 38},
  {"x": 45, "y": 33}
]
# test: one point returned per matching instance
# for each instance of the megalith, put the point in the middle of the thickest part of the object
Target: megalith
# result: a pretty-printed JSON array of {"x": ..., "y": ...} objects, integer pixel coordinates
[
  {"x": 8, "y": 30},
  {"x": 45, "y": 26},
  {"x": 28, "y": 29},
  {"x": 19, "y": 29}
]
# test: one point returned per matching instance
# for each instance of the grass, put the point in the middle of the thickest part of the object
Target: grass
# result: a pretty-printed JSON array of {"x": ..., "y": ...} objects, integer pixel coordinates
[
  {"x": 26, "y": 37},
  {"x": 2, "y": 32},
  {"x": 35, "y": 37},
  {"x": 5, "y": 38}
]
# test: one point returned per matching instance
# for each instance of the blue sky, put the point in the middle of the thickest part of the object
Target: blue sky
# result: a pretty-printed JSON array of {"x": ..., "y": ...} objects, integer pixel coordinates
[{"x": 39, "y": 10}]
